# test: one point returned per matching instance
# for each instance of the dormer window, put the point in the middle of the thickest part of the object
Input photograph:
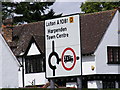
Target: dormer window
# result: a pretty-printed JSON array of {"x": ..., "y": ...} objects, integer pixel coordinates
[{"x": 34, "y": 58}]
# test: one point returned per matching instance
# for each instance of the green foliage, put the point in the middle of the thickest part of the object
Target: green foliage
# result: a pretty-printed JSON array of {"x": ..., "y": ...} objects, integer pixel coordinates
[
  {"x": 29, "y": 11},
  {"x": 90, "y": 7}
]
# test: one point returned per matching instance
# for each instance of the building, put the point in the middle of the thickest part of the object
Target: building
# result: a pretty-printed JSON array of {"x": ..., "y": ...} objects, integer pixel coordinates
[
  {"x": 100, "y": 51},
  {"x": 9, "y": 66},
  {"x": 101, "y": 64}
]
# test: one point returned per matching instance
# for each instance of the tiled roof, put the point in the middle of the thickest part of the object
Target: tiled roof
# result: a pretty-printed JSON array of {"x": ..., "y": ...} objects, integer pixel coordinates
[
  {"x": 93, "y": 27},
  {"x": 24, "y": 34}
]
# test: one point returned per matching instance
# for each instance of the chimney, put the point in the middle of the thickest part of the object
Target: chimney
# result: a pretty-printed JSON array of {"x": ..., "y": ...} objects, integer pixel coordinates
[
  {"x": 118, "y": 8},
  {"x": 7, "y": 29}
]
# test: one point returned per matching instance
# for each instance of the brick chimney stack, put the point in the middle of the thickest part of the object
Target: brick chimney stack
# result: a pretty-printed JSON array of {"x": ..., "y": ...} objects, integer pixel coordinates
[{"x": 7, "y": 29}]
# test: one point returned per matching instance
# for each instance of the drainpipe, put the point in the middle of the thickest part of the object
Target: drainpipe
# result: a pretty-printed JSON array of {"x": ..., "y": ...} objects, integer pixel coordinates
[{"x": 23, "y": 71}]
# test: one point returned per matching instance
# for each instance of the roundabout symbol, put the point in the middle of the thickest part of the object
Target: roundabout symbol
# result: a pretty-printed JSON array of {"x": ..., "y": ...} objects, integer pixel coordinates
[
  {"x": 68, "y": 58},
  {"x": 53, "y": 53}
]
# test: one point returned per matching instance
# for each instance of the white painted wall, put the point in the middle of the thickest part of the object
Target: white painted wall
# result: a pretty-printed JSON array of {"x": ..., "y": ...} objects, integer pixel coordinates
[
  {"x": 71, "y": 84},
  {"x": 38, "y": 77},
  {"x": 28, "y": 78},
  {"x": 119, "y": 21},
  {"x": 119, "y": 28},
  {"x": 0, "y": 62},
  {"x": 20, "y": 74},
  {"x": 9, "y": 66},
  {"x": 87, "y": 63},
  {"x": 94, "y": 84},
  {"x": 119, "y": 37},
  {"x": 110, "y": 39},
  {"x": 20, "y": 82}
]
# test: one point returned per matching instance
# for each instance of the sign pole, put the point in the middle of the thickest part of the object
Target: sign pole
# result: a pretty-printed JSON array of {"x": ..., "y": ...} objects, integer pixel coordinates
[
  {"x": 79, "y": 83},
  {"x": 52, "y": 84}
]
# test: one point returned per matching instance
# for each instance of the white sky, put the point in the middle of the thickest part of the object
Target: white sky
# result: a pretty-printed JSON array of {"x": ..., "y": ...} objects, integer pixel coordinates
[{"x": 66, "y": 7}]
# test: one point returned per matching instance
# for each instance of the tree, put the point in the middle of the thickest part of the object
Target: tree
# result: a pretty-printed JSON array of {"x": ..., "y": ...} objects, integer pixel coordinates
[
  {"x": 90, "y": 7},
  {"x": 28, "y": 11}
]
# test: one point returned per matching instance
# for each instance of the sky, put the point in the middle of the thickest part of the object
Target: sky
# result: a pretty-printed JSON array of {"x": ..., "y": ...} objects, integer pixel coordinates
[{"x": 67, "y": 6}]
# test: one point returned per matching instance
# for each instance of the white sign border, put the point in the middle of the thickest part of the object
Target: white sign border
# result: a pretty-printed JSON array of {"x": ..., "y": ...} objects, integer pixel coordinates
[{"x": 79, "y": 46}]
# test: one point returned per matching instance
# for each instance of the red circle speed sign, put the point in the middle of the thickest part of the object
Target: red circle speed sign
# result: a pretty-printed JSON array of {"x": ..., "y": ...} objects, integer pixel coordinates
[{"x": 74, "y": 59}]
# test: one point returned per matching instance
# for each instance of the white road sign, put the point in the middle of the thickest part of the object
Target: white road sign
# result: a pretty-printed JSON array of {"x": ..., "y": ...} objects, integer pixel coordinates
[{"x": 62, "y": 43}]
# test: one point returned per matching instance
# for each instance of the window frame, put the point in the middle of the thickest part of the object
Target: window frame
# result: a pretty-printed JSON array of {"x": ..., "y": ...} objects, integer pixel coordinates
[
  {"x": 113, "y": 53},
  {"x": 34, "y": 64}
]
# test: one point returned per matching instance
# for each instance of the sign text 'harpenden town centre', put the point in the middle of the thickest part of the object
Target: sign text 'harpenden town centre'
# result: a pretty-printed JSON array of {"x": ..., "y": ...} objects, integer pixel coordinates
[
  {"x": 62, "y": 43},
  {"x": 58, "y": 30}
]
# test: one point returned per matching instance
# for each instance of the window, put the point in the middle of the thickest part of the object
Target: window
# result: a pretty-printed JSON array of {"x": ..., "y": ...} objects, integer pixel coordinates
[
  {"x": 113, "y": 55},
  {"x": 34, "y": 64}
]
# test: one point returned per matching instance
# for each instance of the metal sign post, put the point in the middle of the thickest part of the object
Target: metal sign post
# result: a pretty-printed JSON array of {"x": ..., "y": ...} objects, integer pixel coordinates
[
  {"x": 52, "y": 84},
  {"x": 79, "y": 83}
]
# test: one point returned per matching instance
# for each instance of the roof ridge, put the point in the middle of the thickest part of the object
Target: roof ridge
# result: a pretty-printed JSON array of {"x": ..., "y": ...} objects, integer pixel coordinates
[
  {"x": 100, "y": 12},
  {"x": 29, "y": 23},
  {"x": 84, "y": 14}
]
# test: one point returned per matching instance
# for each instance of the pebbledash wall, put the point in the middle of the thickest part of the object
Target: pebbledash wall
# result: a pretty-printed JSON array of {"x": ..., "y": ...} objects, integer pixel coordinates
[{"x": 8, "y": 66}]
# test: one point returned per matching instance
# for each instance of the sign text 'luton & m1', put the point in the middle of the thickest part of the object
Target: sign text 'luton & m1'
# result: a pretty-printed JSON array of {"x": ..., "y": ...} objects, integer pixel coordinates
[{"x": 62, "y": 43}]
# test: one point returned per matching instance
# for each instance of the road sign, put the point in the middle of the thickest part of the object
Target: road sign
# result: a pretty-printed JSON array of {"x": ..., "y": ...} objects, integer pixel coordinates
[
  {"x": 68, "y": 58},
  {"x": 62, "y": 43}
]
